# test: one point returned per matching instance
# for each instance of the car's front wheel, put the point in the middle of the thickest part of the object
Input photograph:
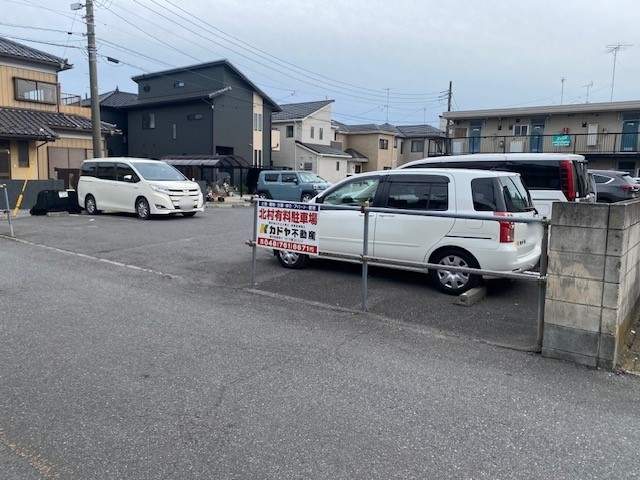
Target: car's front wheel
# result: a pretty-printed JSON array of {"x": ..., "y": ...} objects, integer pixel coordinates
[
  {"x": 263, "y": 195},
  {"x": 291, "y": 259},
  {"x": 454, "y": 282},
  {"x": 306, "y": 197},
  {"x": 142, "y": 209}
]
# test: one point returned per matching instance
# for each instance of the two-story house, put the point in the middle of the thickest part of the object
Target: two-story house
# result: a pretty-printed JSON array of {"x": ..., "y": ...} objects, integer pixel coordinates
[
  {"x": 306, "y": 135},
  {"x": 605, "y": 133},
  {"x": 44, "y": 134},
  {"x": 387, "y": 146},
  {"x": 192, "y": 117}
]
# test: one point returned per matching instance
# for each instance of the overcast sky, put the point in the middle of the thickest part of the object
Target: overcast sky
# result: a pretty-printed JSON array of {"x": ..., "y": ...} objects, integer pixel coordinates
[{"x": 379, "y": 60}]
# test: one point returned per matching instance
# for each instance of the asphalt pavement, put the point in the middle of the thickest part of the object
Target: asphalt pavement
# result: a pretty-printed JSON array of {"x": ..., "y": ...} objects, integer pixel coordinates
[{"x": 140, "y": 350}]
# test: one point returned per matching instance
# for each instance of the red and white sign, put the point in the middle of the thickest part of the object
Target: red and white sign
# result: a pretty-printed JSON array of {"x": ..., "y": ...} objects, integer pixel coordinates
[{"x": 287, "y": 226}]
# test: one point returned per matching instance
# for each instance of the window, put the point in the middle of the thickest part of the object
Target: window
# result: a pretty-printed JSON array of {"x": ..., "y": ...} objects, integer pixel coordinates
[
  {"x": 384, "y": 144},
  {"x": 107, "y": 171},
  {"x": 34, "y": 91},
  {"x": 312, "y": 132},
  {"x": 271, "y": 177},
  {"x": 337, "y": 166},
  {"x": 432, "y": 193},
  {"x": 23, "y": 154},
  {"x": 178, "y": 85},
  {"x": 257, "y": 122},
  {"x": 354, "y": 193},
  {"x": 194, "y": 116},
  {"x": 289, "y": 178},
  {"x": 417, "y": 146},
  {"x": 395, "y": 142},
  {"x": 289, "y": 133},
  {"x": 520, "y": 130},
  {"x": 122, "y": 170},
  {"x": 320, "y": 133},
  {"x": 308, "y": 166},
  {"x": 148, "y": 121}
]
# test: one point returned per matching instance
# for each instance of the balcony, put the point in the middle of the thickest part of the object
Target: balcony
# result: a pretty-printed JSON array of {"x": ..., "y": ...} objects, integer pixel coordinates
[
  {"x": 590, "y": 144},
  {"x": 70, "y": 99}
]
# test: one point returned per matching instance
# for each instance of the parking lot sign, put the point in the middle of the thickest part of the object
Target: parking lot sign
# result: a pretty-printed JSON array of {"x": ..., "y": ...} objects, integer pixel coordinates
[{"x": 287, "y": 226}]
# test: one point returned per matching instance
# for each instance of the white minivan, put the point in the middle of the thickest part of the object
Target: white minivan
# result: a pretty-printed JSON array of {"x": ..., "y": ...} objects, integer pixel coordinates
[
  {"x": 137, "y": 185},
  {"x": 550, "y": 177},
  {"x": 501, "y": 245}
]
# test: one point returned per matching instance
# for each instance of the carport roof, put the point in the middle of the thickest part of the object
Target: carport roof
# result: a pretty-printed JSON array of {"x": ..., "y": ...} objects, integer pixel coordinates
[{"x": 216, "y": 161}]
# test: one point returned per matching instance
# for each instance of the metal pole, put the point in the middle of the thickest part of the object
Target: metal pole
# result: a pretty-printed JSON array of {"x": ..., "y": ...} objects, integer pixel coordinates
[
  {"x": 254, "y": 240},
  {"x": 542, "y": 282},
  {"x": 365, "y": 263},
  {"x": 6, "y": 198},
  {"x": 93, "y": 81}
]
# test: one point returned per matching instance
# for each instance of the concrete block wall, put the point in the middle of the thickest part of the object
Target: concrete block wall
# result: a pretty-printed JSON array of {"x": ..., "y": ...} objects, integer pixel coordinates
[{"x": 593, "y": 287}]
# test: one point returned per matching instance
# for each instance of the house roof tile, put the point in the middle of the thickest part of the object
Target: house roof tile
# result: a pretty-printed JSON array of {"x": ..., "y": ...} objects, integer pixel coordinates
[
  {"x": 11, "y": 49},
  {"x": 298, "y": 111},
  {"x": 17, "y": 122}
]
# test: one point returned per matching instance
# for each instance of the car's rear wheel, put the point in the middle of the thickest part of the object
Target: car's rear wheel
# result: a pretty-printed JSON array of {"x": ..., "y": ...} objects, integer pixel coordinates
[
  {"x": 306, "y": 197},
  {"x": 142, "y": 209},
  {"x": 291, "y": 259},
  {"x": 453, "y": 282},
  {"x": 263, "y": 195},
  {"x": 90, "y": 205}
]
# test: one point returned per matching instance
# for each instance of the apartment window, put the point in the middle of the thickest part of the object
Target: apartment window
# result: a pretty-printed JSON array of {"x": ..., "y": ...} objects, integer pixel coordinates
[
  {"x": 312, "y": 132},
  {"x": 289, "y": 133},
  {"x": 194, "y": 116},
  {"x": 257, "y": 122},
  {"x": 34, "y": 91},
  {"x": 320, "y": 133},
  {"x": 417, "y": 146},
  {"x": 23, "y": 154},
  {"x": 337, "y": 166},
  {"x": 148, "y": 121},
  {"x": 520, "y": 130},
  {"x": 178, "y": 85},
  {"x": 384, "y": 144},
  {"x": 395, "y": 142}
]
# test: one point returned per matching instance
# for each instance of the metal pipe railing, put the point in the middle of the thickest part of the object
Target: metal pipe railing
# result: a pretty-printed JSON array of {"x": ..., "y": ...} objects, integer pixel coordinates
[
  {"x": 3, "y": 186},
  {"x": 365, "y": 258}
]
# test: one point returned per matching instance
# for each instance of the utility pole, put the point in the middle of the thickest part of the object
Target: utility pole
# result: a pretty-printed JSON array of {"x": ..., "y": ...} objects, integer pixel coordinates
[
  {"x": 448, "y": 128},
  {"x": 93, "y": 81},
  {"x": 387, "y": 106},
  {"x": 93, "y": 77}
]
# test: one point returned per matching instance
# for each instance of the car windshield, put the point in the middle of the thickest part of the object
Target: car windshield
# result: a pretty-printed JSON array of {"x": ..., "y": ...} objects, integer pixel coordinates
[
  {"x": 308, "y": 177},
  {"x": 159, "y": 171}
]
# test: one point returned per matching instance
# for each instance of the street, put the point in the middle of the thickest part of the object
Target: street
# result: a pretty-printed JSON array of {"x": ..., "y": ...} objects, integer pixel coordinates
[{"x": 137, "y": 349}]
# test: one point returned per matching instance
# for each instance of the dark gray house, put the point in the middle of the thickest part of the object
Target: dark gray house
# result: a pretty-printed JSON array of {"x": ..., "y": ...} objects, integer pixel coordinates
[{"x": 206, "y": 109}]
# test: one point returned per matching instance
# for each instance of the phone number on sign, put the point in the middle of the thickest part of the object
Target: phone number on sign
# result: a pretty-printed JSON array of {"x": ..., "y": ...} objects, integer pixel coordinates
[{"x": 282, "y": 245}]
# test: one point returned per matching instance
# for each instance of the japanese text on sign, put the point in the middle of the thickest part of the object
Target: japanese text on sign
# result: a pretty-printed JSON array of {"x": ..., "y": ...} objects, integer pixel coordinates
[{"x": 287, "y": 226}]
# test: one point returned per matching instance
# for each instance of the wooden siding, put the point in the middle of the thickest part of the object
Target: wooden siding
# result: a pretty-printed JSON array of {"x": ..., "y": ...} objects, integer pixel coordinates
[{"x": 7, "y": 94}]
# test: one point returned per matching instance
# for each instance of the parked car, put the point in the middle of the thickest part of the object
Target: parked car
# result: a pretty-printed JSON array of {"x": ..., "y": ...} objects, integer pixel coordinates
[
  {"x": 614, "y": 185},
  {"x": 550, "y": 177},
  {"x": 137, "y": 185},
  {"x": 503, "y": 246},
  {"x": 296, "y": 186}
]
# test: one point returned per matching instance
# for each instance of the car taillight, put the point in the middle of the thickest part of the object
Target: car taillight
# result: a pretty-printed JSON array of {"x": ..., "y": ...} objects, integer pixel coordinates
[
  {"x": 507, "y": 229},
  {"x": 566, "y": 180},
  {"x": 633, "y": 188}
]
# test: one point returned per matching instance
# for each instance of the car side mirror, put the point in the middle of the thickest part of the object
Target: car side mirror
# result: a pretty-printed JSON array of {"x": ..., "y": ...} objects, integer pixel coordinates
[{"x": 128, "y": 178}]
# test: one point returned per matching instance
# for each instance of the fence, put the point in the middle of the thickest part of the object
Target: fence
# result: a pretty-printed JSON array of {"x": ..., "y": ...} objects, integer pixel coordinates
[{"x": 365, "y": 259}]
